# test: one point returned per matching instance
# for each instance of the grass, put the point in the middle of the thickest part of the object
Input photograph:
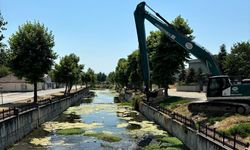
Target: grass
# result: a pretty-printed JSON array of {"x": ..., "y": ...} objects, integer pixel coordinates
[
  {"x": 173, "y": 102},
  {"x": 70, "y": 131},
  {"x": 213, "y": 119},
  {"x": 241, "y": 129},
  {"x": 104, "y": 136}
]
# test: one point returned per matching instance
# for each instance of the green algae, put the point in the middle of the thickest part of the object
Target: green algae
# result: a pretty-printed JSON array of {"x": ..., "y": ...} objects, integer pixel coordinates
[
  {"x": 51, "y": 126},
  {"x": 147, "y": 127},
  {"x": 105, "y": 136},
  {"x": 171, "y": 140},
  {"x": 70, "y": 131},
  {"x": 122, "y": 125},
  {"x": 88, "y": 109},
  {"x": 45, "y": 141}
]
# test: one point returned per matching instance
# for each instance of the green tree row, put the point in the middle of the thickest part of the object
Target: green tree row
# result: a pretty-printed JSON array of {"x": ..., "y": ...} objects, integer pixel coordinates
[
  {"x": 30, "y": 55},
  {"x": 128, "y": 72},
  {"x": 237, "y": 62}
]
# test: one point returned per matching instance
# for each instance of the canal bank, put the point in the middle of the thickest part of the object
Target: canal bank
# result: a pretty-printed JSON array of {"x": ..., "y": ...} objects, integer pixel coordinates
[
  {"x": 99, "y": 123},
  {"x": 185, "y": 129},
  {"x": 22, "y": 122}
]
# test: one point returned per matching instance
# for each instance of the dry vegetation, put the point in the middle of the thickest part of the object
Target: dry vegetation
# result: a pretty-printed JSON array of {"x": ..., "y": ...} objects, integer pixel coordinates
[{"x": 228, "y": 123}]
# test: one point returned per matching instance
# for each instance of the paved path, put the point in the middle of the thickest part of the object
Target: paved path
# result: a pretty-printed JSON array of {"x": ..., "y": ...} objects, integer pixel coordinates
[
  {"x": 11, "y": 97},
  {"x": 190, "y": 95}
]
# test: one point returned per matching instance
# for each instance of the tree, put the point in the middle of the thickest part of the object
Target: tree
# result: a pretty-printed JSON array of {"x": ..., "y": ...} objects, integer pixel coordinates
[
  {"x": 153, "y": 42},
  {"x": 31, "y": 52},
  {"x": 190, "y": 76},
  {"x": 182, "y": 75},
  {"x": 2, "y": 28},
  {"x": 111, "y": 78},
  {"x": 134, "y": 70},
  {"x": 68, "y": 71},
  {"x": 221, "y": 58},
  {"x": 101, "y": 77},
  {"x": 121, "y": 73},
  {"x": 238, "y": 62},
  {"x": 90, "y": 77},
  {"x": 4, "y": 70},
  {"x": 169, "y": 56}
]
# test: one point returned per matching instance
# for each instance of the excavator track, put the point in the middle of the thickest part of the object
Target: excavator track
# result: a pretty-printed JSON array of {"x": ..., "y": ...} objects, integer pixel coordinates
[{"x": 219, "y": 107}]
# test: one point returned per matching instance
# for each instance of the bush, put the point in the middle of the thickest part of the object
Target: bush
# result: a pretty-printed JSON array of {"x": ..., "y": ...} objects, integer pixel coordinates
[
  {"x": 173, "y": 102},
  {"x": 242, "y": 129},
  {"x": 135, "y": 101}
]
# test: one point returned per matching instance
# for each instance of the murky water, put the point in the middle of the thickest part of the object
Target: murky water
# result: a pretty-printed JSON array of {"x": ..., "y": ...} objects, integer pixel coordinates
[{"x": 97, "y": 115}]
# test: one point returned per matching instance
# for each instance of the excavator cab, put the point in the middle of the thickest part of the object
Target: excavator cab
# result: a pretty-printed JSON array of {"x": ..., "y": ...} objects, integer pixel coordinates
[{"x": 218, "y": 86}]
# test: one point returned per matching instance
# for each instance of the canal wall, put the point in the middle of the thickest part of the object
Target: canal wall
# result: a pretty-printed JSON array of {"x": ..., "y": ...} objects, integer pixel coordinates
[
  {"x": 14, "y": 128},
  {"x": 190, "y": 137}
]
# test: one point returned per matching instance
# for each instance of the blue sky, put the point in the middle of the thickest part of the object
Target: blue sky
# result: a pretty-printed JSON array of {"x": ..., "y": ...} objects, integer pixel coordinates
[{"x": 101, "y": 32}]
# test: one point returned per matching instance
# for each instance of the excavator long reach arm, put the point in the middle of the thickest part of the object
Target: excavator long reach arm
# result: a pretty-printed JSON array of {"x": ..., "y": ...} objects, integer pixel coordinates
[
  {"x": 140, "y": 15},
  {"x": 220, "y": 92}
]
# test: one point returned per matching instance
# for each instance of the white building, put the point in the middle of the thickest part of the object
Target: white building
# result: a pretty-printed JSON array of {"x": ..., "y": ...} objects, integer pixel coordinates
[
  {"x": 196, "y": 64},
  {"x": 11, "y": 83}
]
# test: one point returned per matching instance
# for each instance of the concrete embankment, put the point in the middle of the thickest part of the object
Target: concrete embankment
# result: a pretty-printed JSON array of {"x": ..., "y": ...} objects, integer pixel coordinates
[
  {"x": 15, "y": 127},
  {"x": 190, "y": 137}
]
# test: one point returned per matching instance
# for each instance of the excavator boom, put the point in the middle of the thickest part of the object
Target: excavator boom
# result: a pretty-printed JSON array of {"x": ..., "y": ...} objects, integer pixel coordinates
[
  {"x": 141, "y": 14},
  {"x": 223, "y": 96}
]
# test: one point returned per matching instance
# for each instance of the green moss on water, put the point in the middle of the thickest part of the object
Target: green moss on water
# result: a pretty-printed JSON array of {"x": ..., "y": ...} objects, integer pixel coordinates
[
  {"x": 104, "y": 136},
  {"x": 171, "y": 140},
  {"x": 158, "y": 147},
  {"x": 173, "y": 148},
  {"x": 133, "y": 126},
  {"x": 70, "y": 131},
  {"x": 167, "y": 143},
  {"x": 152, "y": 147}
]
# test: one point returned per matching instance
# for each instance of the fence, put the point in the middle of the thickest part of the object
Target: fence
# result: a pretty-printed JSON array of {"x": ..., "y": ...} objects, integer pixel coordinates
[
  {"x": 17, "y": 109},
  {"x": 187, "y": 121},
  {"x": 231, "y": 142},
  {"x": 7, "y": 113}
]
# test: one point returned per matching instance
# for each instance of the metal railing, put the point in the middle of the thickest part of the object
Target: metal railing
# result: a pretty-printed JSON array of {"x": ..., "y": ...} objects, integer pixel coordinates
[
  {"x": 183, "y": 119},
  {"x": 12, "y": 111},
  {"x": 231, "y": 142},
  {"x": 6, "y": 113}
]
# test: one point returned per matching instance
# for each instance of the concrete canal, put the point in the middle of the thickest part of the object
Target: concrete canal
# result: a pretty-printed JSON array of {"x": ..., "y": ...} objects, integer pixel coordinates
[{"x": 98, "y": 123}]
